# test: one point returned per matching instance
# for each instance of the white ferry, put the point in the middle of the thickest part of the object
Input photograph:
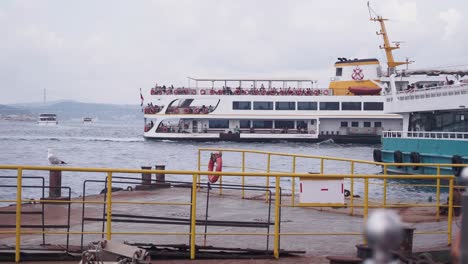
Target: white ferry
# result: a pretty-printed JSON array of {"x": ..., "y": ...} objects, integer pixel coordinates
[
  {"x": 435, "y": 124},
  {"x": 350, "y": 110},
  {"x": 47, "y": 120}
]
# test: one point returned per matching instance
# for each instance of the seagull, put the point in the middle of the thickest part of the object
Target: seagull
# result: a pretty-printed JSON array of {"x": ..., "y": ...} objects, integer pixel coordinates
[{"x": 53, "y": 159}]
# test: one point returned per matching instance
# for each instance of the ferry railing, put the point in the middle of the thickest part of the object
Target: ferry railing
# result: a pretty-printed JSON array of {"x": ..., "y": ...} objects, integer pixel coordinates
[
  {"x": 426, "y": 134},
  {"x": 195, "y": 176}
]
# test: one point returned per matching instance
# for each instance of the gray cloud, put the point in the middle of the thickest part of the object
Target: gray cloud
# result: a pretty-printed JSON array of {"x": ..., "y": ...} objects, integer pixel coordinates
[{"x": 104, "y": 51}]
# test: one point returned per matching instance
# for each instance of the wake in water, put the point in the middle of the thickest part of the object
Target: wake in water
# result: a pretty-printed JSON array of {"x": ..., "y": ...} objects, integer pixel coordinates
[{"x": 36, "y": 138}]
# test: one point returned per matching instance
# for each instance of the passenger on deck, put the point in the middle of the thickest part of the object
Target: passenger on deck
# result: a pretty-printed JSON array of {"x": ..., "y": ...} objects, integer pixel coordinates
[{"x": 236, "y": 130}]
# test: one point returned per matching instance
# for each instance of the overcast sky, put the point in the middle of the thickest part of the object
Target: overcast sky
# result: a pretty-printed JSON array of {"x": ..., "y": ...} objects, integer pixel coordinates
[{"x": 104, "y": 51}]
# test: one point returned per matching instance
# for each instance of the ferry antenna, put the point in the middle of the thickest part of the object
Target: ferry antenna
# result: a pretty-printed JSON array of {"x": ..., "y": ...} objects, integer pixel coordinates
[{"x": 391, "y": 63}]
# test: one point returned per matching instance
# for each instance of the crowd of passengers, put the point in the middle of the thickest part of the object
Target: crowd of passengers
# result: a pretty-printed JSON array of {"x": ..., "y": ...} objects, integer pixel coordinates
[
  {"x": 152, "y": 109},
  {"x": 414, "y": 86},
  {"x": 226, "y": 90},
  {"x": 190, "y": 110}
]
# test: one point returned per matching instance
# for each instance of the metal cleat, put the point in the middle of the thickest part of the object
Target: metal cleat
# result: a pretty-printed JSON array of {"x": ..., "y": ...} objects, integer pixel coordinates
[{"x": 109, "y": 252}]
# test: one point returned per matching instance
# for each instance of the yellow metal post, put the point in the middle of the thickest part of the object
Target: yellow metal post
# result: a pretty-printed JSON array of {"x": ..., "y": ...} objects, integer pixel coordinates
[
  {"x": 199, "y": 168},
  {"x": 243, "y": 177},
  {"x": 277, "y": 220},
  {"x": 385, "y": 187},
  {"x": 438, "y": 194},
  {"x": 321, "y": 165},
  {"x": 193, "y": 218},
  {"x": 19, "y": 189},
  {"x": 220, "y": 184},
  {"x": 366, "y": 202},
  {"x": 450, "y": 212},
  {"x": 351, "y": 198},
  {"x": 268, "y": 177},
  {"x": 293, "y": 187},
  {"x": 109, "y": 206}
]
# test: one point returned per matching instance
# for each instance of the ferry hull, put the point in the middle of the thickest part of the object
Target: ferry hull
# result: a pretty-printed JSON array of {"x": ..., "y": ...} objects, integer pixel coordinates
[
  {"x": 430, "y": 151},
  {"x": 340, "y": 139}
]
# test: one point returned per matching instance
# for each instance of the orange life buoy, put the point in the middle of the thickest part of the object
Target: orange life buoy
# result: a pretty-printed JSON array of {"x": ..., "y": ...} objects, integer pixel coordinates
[
  {"x": 325, "y": 92},
  {"x": 216, "y": 158}
]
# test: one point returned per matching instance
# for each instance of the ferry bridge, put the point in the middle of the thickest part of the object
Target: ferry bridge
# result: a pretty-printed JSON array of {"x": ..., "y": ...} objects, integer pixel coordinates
[{"x": 193, "y": 219}]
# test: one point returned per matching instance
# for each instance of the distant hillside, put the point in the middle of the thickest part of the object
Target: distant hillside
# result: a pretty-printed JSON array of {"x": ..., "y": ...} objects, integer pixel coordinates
[
  {"x": 11, "y": 110},
  {"x": 67, "y": 110}
]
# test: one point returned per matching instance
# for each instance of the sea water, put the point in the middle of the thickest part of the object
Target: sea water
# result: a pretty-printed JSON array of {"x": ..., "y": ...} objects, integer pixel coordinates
[{"x": 106, "y": 144}]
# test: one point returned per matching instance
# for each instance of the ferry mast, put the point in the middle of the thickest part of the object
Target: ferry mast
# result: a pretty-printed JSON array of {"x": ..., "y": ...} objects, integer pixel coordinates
[{"x": 391, "y": 63}]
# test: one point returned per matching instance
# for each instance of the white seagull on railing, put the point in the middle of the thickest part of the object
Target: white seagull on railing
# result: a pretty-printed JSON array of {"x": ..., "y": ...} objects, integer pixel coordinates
[{"x": 53, "y": 159}]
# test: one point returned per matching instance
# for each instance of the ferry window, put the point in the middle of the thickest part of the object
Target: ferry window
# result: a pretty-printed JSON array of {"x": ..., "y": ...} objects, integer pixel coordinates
[
  {"x": 284, "y": 124},
  {"x": 344, "y": 124},
  {"x": 242, "y": 105},
  {"x": 306, "y": 105},
  {"x": 262, "y": 124},
  {"x": 263, "y": 106},
  {"x": 339, "y": 71},
  {"x": 377, "y": 124},
  {"x": 301, "y": 124},
  {"x": 355, "y": 124},
  {"x": 367, "y": 124},
  {"x": 220, "y": 123},
  {"x": 373, "y": 106},
  {"x": 245, "y": 124},
  {"x": 329, "y": 106},
  {"x": 285, "y": 106},
  {"x": 351, "y": 106}
]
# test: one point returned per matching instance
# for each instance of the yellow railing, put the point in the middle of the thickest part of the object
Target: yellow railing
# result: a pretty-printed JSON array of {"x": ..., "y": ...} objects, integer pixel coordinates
[{"x": 196, "y": 177}]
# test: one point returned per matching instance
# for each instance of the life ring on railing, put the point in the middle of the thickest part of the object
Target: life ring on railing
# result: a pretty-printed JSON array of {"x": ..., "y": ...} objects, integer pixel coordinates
[
  {"x": 308, "y": 92},
  {"x": 196, "y": 110},
  {"x": 316, "y": 92},
  {"x": 202, "y": 91},
  {"x": 244, "y": 92},
  {"x": 299, "y": 92},
  {"x": 398, "y": 158},
  {"x": 415, "y": 158},
  {"x": 325, "y": 92},
  {"x": 176, "y": 111},
  {"x": 263, "y": 92},
  {"x": 215, "y": 159},
  {"x": 186, "y": 110},
  {"x": 456, "y": 159},
  {"x": 377, "y": 154},
  {"x": 220, "y": 92},
  {"x": 290, "y": 92},
  {"x": 176, "y": 92},
  {"x": 237, "y": 92},
  {"x": 212, "y": 92},
  {"x": 194, "y": 91}
]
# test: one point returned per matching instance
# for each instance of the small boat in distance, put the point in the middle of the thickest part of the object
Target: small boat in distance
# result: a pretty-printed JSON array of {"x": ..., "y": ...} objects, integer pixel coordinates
[
  {"x": 47, "y": 119},
  {"x": 87, "y": 120}
]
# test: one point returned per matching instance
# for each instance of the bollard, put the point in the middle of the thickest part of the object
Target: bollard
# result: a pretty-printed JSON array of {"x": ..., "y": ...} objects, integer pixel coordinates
[
  {"x": 160, "y": 177},
  {"x": 146, "y": 177},
  {"x": 55, "y": 184}
]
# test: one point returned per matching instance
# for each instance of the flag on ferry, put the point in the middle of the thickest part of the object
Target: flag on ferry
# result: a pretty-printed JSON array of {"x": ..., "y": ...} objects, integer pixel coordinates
[{"x": 142, "y": 100}]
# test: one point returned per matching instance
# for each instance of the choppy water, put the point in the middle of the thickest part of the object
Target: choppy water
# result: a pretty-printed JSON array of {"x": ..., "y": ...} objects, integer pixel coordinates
[{"x": 121, "y": 145}]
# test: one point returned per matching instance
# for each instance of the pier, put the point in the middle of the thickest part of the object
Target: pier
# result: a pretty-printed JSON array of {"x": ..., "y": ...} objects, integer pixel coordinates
[{"x": 231, "y": 218}]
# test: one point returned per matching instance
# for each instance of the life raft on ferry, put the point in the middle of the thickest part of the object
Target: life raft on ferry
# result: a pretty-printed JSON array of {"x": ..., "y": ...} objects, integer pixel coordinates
[
  {"x": 215, "y": 160},
  {"x": 364, "y": 90}
]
